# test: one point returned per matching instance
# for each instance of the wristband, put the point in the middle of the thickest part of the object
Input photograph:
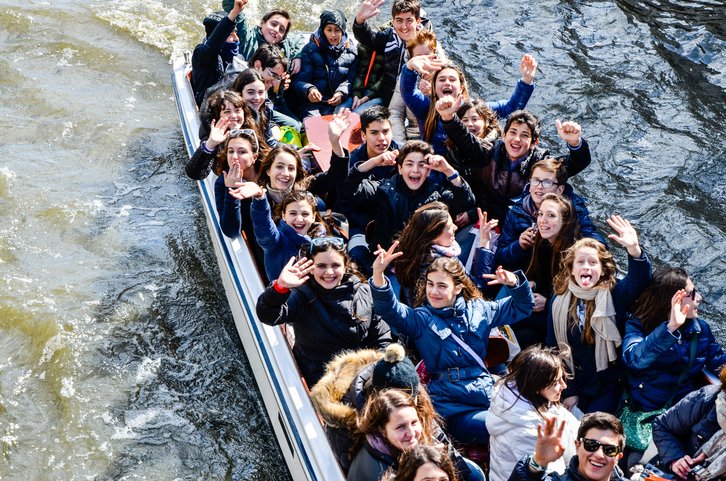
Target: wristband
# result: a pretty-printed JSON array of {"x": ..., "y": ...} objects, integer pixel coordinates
[
  {"x": 279, "y": 289},
  {"x": 534, "y": 465},
  {"x": 452, "y": 176},
  {"x": 205, "y": 148}
]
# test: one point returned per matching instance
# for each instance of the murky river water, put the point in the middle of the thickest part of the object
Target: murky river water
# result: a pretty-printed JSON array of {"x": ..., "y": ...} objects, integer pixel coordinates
[{"x": 118, "y": 356}]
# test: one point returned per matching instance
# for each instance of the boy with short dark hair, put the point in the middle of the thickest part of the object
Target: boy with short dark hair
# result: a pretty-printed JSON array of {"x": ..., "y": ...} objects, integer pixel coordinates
[
  {"x": 392, "y": 201},
  {"x": 503, "y": 168},
  {"x": 389, "y": 43},
  {"x": 600, "y": 442}
]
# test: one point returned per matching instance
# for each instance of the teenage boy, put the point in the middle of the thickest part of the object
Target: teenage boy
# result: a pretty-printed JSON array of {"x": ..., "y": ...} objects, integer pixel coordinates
[
  {"x": 392, "y": 201},
  {"x": 518, "y": 232},
  {"x": 599, "y": 444},
  {"x": 389, "y": 43},
  {"x": 219, "y": 50},
  {"x": 504, "y": 167}
]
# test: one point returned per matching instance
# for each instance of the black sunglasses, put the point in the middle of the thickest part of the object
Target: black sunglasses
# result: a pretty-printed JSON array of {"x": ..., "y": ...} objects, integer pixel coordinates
[
  {"x": 591, "y": 446},
  {"x": 693, "y": 293}
]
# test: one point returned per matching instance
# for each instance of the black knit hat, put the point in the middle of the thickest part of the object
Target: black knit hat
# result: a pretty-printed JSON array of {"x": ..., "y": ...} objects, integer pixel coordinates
[
  {"x": 212, "y": 20},
  {"x": 395, "y": 370},
  {"x": 335, "y": 17}
]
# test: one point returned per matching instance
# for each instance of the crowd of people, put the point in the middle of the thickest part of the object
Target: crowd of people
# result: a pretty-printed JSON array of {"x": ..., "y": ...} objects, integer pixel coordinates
[{"x": 399, "y": 262}]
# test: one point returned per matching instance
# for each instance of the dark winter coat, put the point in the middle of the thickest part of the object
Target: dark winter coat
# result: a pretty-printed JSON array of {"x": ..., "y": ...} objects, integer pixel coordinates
[
  {"x": 487, "y": 166},
  {"x": 655, "y": 361},
  {"x": 207, "y": 64},
  {"x": 327, "y": 321},
  {"x": 687, "y": 426},
  {"x": 326, "y": 68}
]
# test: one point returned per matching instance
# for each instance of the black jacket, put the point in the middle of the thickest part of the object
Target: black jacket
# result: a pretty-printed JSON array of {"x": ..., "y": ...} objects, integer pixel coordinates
[{"x": 327, "y": 321}]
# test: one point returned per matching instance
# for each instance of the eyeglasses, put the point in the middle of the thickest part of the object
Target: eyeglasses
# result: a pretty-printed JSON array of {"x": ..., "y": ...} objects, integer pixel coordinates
[
  {"x": 274, "y": 75},
  {"x": 547, "y": 184},
  {"x": 693, "y": 293},
  {"x": 336, "y": 242},
  {"x": 591, "y": 446},
  {"x": 245, "y": 133}
]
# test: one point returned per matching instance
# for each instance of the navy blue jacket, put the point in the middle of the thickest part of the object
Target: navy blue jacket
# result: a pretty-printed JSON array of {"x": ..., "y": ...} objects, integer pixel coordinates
[
  {"x": 655, "y": 361},
  {"x": 327, "y": 321},
  {"x": 487, "y": 167},
  {"x": 685, "y": 427},
  {"x": 459, "y": 385},
  {"x": 391, "y": 203},
  {"x": 588, "y": 383},
  {"x": 521, "y": 215},
  {"x": 328, "y": 69}
]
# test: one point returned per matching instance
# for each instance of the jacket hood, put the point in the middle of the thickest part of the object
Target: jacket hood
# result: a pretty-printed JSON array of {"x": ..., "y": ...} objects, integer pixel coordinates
[{"x": 327, "y": 395}]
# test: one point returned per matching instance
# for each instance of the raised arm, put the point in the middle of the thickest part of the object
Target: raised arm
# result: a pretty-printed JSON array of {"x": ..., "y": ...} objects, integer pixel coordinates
[
  {"x": 578, "y": 156},
  {"x": 399, "y": 316}
]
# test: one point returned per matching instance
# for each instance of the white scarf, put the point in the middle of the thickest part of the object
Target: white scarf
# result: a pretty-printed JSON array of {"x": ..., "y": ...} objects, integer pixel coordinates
[{"x": 607, "y": 336}]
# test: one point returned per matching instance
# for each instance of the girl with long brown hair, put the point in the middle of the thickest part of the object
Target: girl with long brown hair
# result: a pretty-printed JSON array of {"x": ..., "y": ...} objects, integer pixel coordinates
[
  {"x": 588, "y": 315},
  {"x": 450, "y": 327},
  {"x": 448, "y": 80}
]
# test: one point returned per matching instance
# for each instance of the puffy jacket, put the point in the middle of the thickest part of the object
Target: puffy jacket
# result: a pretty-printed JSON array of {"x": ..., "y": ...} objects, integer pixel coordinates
[
  {"x": 250, "y": 38},
  {"x": 522, "y": 214},
  {"x": 459, "y": 385},
  {"x": 420, "y": 104},
  {"x": 655, "y": 361},
  {"x": 521, "y": 472},
  {"x": 328, "y": 69},
  {"x": 327, "y": 321},
  {"x": 589, "y": 384},
  {"x": 369, "y": 74},
  {"x": 686, "y": 426},
  {"x": 488, "y": 167},
  {"x": 512, "y": 424}
]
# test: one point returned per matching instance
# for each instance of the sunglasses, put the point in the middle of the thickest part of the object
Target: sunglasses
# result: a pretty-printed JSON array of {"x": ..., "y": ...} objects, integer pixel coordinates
[
  {"x": 693, "y": 293},
  {"x": 336, "y": 242},
  {"x": 591, "y": 446},
  {"x": 249, "y": 133}
]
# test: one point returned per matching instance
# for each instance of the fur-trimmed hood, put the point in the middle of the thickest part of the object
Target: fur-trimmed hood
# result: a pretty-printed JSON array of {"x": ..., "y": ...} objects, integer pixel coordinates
[{"x": 327, "y": 395}]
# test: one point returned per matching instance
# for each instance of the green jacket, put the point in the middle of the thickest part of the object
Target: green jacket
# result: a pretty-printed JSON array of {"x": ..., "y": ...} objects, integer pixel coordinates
[{"x": 250, "y": 37}]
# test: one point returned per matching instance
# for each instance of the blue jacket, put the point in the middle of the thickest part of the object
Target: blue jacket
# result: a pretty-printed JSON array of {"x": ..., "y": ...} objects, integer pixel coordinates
[
  {"x": 459, "y": 385},
  {"x": 279, "y": 242},
  {"x": 521, "y": 215},
  {"x": 328, "y": 69},
  {"x": 420, "y": 103},
  {"x": 655, "y": 361},
  {"x": 687, "y": 426},
  {"x": 393, "y": 203},
  {"x": 588, "y": 383}
]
